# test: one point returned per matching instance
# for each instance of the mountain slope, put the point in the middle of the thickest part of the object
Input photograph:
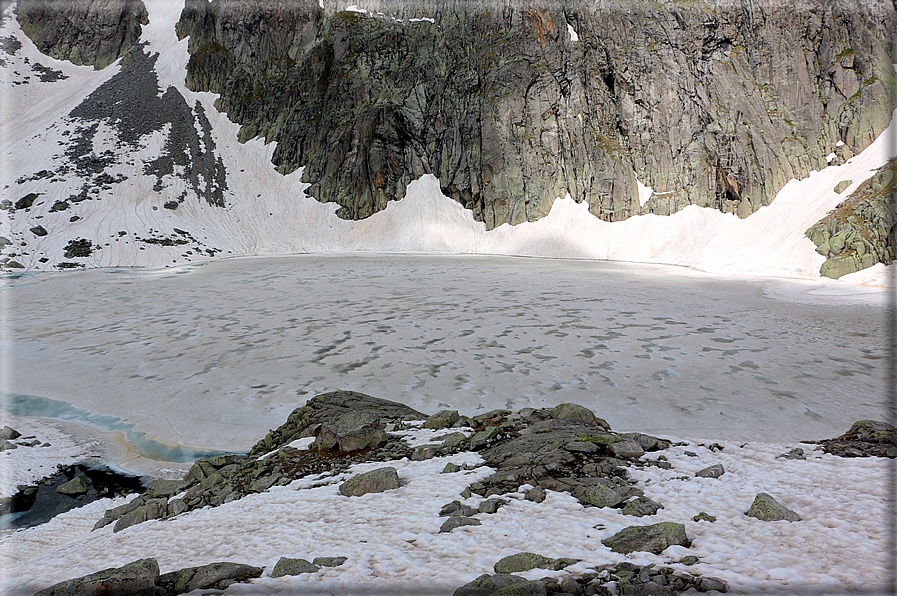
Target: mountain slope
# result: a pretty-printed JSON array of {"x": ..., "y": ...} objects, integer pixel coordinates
[{"x": 127, "y": 166}]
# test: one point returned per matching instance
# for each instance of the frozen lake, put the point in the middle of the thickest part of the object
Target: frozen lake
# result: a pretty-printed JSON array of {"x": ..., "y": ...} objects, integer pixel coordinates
[{"x": 212, "y": 356}]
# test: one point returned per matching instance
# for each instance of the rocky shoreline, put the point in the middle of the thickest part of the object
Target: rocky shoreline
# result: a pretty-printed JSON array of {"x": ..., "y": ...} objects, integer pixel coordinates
[{"x": 566, "y": 449}]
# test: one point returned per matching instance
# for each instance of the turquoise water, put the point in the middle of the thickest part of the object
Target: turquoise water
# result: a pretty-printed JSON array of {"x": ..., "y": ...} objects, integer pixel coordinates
[{"x": 34, "y": 405}]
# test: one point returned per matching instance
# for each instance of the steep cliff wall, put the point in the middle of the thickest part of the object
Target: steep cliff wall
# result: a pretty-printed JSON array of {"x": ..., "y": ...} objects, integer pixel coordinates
[
  {"x": 94, "y": 32},
  {"x": 512, "y": 104}
]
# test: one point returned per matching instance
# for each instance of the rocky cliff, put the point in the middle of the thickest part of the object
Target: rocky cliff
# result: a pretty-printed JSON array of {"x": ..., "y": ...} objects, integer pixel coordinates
[
  {"x": 512, "y": 104},
  {"x": 94, "y": 32}
]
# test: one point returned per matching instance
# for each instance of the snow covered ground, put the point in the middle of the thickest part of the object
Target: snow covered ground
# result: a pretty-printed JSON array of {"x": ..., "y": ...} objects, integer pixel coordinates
[{"x": 394, "y": 546}]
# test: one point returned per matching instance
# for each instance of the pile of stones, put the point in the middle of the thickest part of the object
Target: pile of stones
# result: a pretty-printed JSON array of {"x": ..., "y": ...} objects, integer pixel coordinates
[{"x": 864, "y": 439}]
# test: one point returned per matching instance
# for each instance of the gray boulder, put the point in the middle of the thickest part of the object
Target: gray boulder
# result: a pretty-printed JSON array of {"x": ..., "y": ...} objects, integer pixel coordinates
[
  {"x": 217, "y": 576},
  {"x": 457, "y": 521},
  {"x": 578, "y": 413},
  {"x": 422, "y": 452},
  {"x": 137, "y": 578},
  {"x": 328, "y": 435},
  {"x": 601, "y": 492},
  {"x": 641, "y": 506},
  {"x": 375, "y": 481},
  {"x": 501, "y": 584},
  {"x": 714, "y": 471},
  {"x": 766, "y": 508},
  {"x": 536, "y": 494},
  {"x": 8, "y": 434},
  {"x": 329, "y": 561},
  {"x": 652, "y": 539},
  {"x": 362, "y": 438},
  {"x": 287, "y": 566},
  {"x": 491, "y": 505},
  {"x": 77, "y": 486},
  {"x": 151, "y": 509},
  {"x": 526, "y": 561},
  {"x": 443, "y": 419},
  {"x": 627, "y": 448}
]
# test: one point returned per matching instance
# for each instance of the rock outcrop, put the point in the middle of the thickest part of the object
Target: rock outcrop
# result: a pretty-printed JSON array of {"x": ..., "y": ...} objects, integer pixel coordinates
[
  {"x": 141, "y": 578},
  {"x": 94, "y": 32},
  {"x": 511, "y": 105},
  {"x": 865, "y": 438},
  {"x": 862, "y": 230}
]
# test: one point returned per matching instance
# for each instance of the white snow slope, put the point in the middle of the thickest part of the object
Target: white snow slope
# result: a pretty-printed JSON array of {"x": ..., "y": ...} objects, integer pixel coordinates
[{"x": 267, "y": 213}]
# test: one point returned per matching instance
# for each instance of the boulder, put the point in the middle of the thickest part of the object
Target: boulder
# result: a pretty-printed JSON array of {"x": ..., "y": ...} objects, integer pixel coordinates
[
  {"x": 501, "y": 584},
  {"x": 457, "y": 521},
  {"x": 535, "y": 494},
  {"x": 766, "y": 508},
  {"x": 375, "y": 481},
  {"x": 453, "y": 439},
  {"x": 329, "y": 561},
  {"x": 601, "y": 492},
  {"x": 137, "y": 578},
  {"x": 422, "y": 452},
  {"x": 641, "y": 506},
  {"x": 577, "y": 412},
  {"x": 362, "y": 438},
  {"x": 328, "y": 435},
  {"x": 653, "y": 539},
  {"x": 287, "y": 566},
  {"x": 77, "y": 486},
  {"x": 8, "y": 434},
  {"x": 490, "y": 506},
  {"x": 627, "y": 448},
  {"x": 443, "y": 419},
  {"x": 714, "y": 471},
  {"x": 216, "y": 576},
  {"x": 526, "y": 561}
]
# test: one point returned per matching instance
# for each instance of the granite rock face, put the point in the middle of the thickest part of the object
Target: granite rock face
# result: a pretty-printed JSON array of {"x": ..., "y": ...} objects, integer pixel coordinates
[
  {"x": 94, "y": 32},
  {"x": 512, "y": 105}
]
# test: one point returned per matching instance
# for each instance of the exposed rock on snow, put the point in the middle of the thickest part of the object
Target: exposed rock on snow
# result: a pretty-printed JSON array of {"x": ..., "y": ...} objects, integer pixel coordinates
[
  {"x": 862, "y": 230},
  {"x": 135, "y": 579},
  {"x": 215, "y": 576},
  {"x": 526, "y": 561},
  {"x": 766, "y": 508},
  {"x": 865, "y": 438},
  {"x": 375, "y": 481},
  {"x": 714, "y": 471},
  {"x": 287, "y": 566},
  {"x": 653, "y": 539}
]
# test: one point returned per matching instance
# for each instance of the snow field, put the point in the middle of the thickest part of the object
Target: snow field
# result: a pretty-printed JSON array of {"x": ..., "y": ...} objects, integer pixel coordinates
[{"x": 393, "y": 542}]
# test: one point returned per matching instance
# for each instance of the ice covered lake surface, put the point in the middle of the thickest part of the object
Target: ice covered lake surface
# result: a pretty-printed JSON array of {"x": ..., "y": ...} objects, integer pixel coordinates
[{"x": 212, "y": 356}]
